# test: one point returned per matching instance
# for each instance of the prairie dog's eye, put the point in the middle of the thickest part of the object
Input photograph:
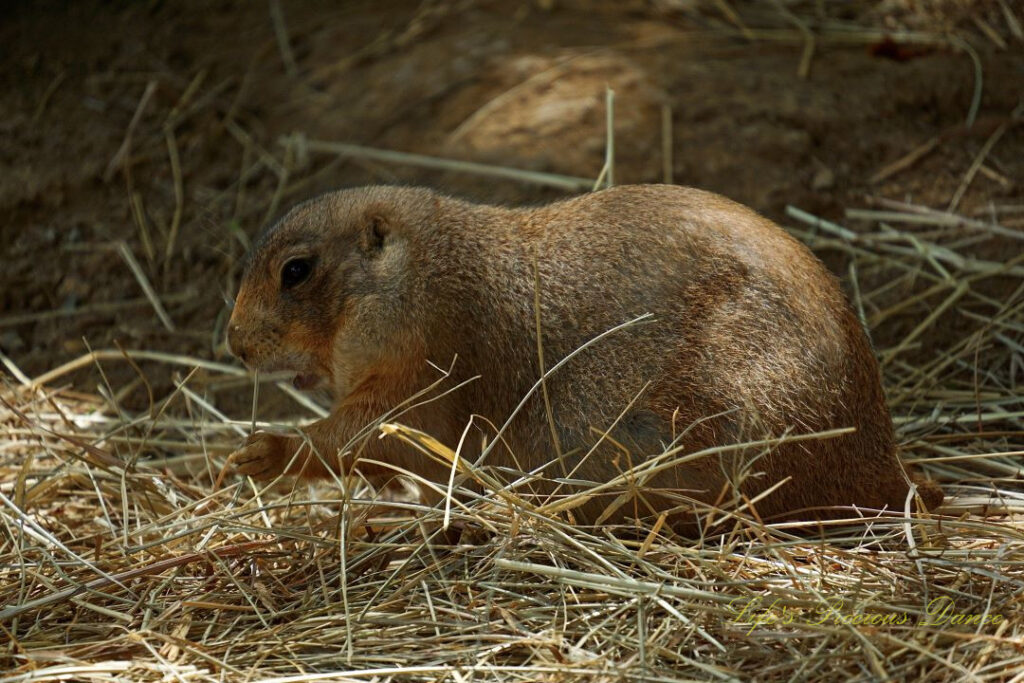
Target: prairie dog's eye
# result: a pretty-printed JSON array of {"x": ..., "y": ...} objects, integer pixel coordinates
[{"x": 295, "y": 272}]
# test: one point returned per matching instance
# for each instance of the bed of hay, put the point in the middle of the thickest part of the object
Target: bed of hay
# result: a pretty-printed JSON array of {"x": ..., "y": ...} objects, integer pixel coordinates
[{"x": 126, "y": 553}]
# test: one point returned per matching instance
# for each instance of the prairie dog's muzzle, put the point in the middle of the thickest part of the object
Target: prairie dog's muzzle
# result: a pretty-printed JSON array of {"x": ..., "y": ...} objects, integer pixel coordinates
[{"x": 236, "y": 342}]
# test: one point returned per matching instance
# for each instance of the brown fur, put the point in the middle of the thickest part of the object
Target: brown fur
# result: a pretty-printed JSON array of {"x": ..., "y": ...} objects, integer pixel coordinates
[{"x": 750, "y": 337}]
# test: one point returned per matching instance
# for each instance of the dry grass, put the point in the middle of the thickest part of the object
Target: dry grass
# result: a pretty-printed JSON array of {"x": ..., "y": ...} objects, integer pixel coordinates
[{"x": 122, "y": 559}]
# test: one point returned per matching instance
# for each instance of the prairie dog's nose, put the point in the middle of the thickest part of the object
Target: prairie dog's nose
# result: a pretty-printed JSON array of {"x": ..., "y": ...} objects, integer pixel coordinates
[{"x": 235, "y": 343}]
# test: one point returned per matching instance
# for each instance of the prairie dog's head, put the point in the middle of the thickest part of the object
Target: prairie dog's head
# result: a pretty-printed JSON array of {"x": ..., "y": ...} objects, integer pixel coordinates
[{"x": 325, "y": 289}]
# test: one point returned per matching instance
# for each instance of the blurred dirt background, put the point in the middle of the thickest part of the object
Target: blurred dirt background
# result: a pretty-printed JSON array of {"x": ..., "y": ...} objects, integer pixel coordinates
[{"x": 161, "y": 125}]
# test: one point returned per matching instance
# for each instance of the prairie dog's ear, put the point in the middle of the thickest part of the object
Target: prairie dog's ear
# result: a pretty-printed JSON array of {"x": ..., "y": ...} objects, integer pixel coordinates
[{"x": 375, "y": 232}]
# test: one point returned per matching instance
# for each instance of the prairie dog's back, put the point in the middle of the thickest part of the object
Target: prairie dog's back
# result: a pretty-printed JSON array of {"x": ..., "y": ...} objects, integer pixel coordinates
[{"x": 713, "y": 273}]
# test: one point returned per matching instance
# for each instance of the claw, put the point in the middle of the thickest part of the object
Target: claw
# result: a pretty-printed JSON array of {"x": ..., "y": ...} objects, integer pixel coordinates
[{"x": 262, "y": 456}]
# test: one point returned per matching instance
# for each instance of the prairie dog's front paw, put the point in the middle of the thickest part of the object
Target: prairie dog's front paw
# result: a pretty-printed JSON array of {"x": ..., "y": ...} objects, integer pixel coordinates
[{"x": 263, "y": 455}]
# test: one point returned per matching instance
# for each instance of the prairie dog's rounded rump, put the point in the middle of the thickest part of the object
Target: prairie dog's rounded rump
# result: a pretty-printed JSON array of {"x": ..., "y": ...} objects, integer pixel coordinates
[{"x": 748, "y": 337}]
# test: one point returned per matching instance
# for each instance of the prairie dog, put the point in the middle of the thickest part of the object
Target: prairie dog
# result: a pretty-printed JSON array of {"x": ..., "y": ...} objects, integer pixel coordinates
[{"x": 368, "y": 291}]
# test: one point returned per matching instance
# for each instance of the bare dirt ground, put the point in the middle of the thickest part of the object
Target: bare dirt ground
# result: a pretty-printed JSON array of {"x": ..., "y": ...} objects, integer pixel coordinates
[{"x": 201, "y": 167}]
